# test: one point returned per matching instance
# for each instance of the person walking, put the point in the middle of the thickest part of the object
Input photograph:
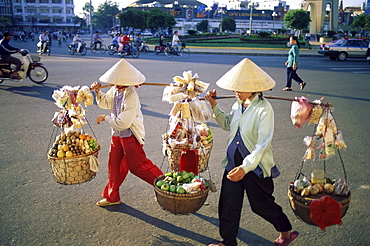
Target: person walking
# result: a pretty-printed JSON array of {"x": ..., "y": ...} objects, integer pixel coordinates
[
  {"x": 292, "y": 65},
  {"x": 126, "y": 120},
  {"x": 249, "y": 164}
]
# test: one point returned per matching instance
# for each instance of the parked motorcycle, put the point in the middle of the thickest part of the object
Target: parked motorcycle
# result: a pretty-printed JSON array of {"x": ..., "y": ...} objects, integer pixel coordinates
[
  {"x": 82, "y": 48},
  {"x": 44, "y": 49},
  {"x": 31, "y": 67}
]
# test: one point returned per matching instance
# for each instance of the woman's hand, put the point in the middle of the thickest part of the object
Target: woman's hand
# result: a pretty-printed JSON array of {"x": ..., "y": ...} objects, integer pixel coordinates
[
  {"x": 286, "y": 63},
  {"x": 294, "y": 66},
  {"x": 209, "y": 97},
  {"x": 100, "y": 118},
  {"x": 95, "y": 86},
  {"x": 236, "y": 174}
]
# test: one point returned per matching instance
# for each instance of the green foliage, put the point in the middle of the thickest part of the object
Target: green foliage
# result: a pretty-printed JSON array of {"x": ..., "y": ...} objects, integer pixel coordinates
[
  {"x": 5, "y": 22},
  {"x": 158, "y": 19},
  {"x": 134, "y": 18},
  {"x": 202, "y": 26},
  {"x": 297, "y": 19},
  {"x": 103, "y": 17},
  {"x": 362, "y": 21},
  {"x": 264, "y": 34},
  {"x": 228, "y": 24}
]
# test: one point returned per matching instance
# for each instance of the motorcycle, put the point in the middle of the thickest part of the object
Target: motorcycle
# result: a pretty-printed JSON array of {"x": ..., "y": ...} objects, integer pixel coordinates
[
  {"x": 31, "y": 67},
  {"x": 142, "y": 47},
  {"x": 112, "y": 48},
  {"x": 45, "y": 48},
  {"x": 82, "y": 48},
  {"x": 129, "y": 51}
]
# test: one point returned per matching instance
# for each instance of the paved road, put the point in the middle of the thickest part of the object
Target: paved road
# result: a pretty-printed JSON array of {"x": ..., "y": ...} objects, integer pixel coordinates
[{"x": 38, "y": 211}]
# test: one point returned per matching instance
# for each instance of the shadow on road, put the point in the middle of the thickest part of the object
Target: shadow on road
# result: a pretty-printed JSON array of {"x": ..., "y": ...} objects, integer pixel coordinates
[
  {"x": 164, "y": 225},
  {"x": 43, "y": 91},
  {"x": 245, "y": 236}
]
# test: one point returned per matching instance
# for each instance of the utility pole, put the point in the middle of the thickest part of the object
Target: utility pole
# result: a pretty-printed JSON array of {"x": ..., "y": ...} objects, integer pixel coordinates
[{"x": 90, "y": 19}]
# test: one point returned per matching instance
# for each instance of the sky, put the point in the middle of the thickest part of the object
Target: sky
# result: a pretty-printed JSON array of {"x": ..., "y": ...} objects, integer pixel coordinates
[{"x": 294, "y": 4}]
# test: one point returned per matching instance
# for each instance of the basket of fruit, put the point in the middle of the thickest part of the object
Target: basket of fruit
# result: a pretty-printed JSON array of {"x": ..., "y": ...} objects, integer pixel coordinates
[
  {"x": 73, "y": 158},
  {"x": 181, "y": 192},
  {"x": 302, "y": 193}
]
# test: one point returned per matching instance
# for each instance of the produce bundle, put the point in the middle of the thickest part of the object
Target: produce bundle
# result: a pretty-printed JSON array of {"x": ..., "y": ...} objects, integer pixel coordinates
[
  {"x": 305, "y": 187},
  {"x": 182, "y": 183},
  {"x": 72, "y": 144}
]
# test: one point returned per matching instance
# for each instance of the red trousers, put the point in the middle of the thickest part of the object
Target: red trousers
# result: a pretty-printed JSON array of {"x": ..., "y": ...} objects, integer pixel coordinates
[{"x": 127, "y": 154}]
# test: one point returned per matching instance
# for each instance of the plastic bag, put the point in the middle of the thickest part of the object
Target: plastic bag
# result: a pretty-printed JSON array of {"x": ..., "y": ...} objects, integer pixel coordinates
[
  {"x": 199, "y": 111},
  {"x": 300, "y": 111}
]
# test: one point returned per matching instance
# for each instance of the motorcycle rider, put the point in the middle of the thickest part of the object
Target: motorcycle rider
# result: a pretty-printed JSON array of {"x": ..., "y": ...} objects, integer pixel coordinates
[
  {"x": 138, "y": 41},
  {"x": 97, "y": 40},
  {"x": 77, "y": 42},
  {"x": 44, "y": 38},
  {"x": 5, "y": 52}
]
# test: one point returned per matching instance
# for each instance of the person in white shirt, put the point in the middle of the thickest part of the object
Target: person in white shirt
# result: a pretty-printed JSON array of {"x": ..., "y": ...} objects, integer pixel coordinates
[
  {"x": 176, "y": 40},
  {"x": 77, "y": 42},
  {"x": 44, "y": 38}
]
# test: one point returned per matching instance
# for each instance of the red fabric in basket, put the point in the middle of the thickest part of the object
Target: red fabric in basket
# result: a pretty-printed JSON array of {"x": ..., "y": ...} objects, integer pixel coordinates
[{"x": 325, "y": 211}]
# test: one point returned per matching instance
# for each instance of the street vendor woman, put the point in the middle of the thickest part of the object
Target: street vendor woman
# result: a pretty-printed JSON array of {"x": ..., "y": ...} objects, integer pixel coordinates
[
  {"x": 126, "y": 120},
  {"x": 249, "y": 164}
]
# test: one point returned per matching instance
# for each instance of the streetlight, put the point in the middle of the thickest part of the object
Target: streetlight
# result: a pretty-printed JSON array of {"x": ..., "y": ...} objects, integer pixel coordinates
[
  {"x": 208, "y": 9},
  {"x": 263, "y": 15},
  {"x": 251, "y": 6},
  {"x": 274, "y": 14}
]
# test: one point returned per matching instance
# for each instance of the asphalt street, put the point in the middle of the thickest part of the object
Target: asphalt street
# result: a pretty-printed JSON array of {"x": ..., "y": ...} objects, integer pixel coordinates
[{"x": 38, "y": 211}]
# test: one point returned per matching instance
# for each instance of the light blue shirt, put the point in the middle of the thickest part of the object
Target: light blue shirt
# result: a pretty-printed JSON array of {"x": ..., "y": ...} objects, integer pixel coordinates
[
  {"x": 256, "y": 125},
  {"x": 293, "y": 56}
]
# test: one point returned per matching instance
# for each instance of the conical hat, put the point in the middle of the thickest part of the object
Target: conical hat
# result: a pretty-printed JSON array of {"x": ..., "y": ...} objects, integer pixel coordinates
[
  {"x": 123, "y": 73},
  {"x": 246, "y": 76}
]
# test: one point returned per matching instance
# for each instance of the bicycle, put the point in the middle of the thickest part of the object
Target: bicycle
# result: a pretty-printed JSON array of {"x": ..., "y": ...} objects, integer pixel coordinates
[
  {"x": 102, "y": 48},
  {"x": 170, "y": 51}
]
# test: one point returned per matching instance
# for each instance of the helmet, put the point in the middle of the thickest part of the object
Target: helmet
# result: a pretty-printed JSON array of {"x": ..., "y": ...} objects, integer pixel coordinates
[{"x": 24, "y": 52}]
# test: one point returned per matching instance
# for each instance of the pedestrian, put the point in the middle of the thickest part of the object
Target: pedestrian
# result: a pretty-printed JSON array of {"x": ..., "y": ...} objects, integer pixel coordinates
[
  {"x": 126, "y": 120},
  {"x": 249, "y": 164},
  {"x": 292, "y": 65},
  {"x": 307, "y": 39}
]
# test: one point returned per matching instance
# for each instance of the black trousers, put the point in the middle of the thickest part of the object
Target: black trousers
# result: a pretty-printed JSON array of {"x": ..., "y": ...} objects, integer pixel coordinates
[
  {"x": 13, "y": 60},
  {"x": 292, "y": 74},
  {"x": 259, "y": 192}
]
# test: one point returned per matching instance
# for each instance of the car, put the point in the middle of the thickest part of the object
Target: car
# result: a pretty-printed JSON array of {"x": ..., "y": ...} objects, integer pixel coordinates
[
  {"x": 368, "y": 54},
  {"x": 344, "y": 48}
]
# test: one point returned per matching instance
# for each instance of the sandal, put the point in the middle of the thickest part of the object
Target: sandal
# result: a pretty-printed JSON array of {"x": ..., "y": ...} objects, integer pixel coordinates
[
  {"x": 286, "y": 241},
  {"x": 218, "y": 243},
  {"x": 302, "y": 85},
  {"x": 287, "y": 89},
  {"x": 104, "y": 202}
]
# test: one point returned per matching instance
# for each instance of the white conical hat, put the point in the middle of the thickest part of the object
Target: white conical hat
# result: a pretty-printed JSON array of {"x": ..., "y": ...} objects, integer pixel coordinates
[
  {"x": 246, "y": 76},
  {"x": 123, "y": 73}
]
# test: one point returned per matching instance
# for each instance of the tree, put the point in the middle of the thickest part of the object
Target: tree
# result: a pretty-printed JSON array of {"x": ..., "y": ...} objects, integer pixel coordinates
[
  {"x": 104, "y": 16},
  {"x": 228, "y": 24},
  {"x": 297, "y": 19},
  {"x": 5, "y": 22},
  {"x": 202, "y": 26},
  {"x": 134, "y": 18},
  {"x": 157, "y": 19}
]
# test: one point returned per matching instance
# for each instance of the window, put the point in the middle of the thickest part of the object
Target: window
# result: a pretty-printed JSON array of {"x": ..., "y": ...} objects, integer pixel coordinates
[
  {"x": 44, "y": 1},
  {"x": 68, "y": 1},
  {"x": 44, "y": 10},
  {"x": 18, "y": 10},
  {"x": 30, "y": 1},
  {"x": 57, "y": 20},
  {"x": 31, "y": 10},
  {"x": 57, "y": 11},
  {"x": 56, "y": 1}
]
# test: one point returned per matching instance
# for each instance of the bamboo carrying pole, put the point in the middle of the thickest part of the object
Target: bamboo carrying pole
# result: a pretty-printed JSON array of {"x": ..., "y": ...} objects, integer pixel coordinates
[{"x": 230, "y": 96}]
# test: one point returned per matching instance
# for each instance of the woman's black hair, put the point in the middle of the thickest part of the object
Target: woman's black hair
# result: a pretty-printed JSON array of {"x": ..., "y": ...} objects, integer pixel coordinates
[{"x": 296, "y": 39}]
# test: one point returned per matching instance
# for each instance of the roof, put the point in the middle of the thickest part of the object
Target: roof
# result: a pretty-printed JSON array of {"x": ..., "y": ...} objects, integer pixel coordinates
[{"x": 180, "y": 2}]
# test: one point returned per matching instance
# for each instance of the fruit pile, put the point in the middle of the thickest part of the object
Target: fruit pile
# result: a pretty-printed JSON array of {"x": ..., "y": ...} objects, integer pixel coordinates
[
  {"x": 182, "y": 183},
  {"x": 304, "y": 187},
  {"x": 72, "y": 144}
]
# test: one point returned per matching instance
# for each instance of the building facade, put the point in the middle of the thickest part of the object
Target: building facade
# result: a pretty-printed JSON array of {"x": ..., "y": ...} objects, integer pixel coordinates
[{"x": 50, "y": 15}]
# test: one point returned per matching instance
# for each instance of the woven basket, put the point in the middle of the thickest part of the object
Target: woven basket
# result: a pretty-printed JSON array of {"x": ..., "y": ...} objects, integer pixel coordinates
[
  {"x": 301, "y": 205},
  {"x": 72, "y": 170},
  {"x": 174, "y": 156},
  {"x": 180, "y": 203}
]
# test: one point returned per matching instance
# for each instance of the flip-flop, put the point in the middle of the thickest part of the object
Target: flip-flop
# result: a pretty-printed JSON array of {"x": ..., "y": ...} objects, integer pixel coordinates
[
  {"x": 104, "y": 202},
  {"x": 218, "y": 243},
  {"x": 302, "y": 85},
  {"x": 286, "y": 241},
  {"x": 287, "y": 89}
]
